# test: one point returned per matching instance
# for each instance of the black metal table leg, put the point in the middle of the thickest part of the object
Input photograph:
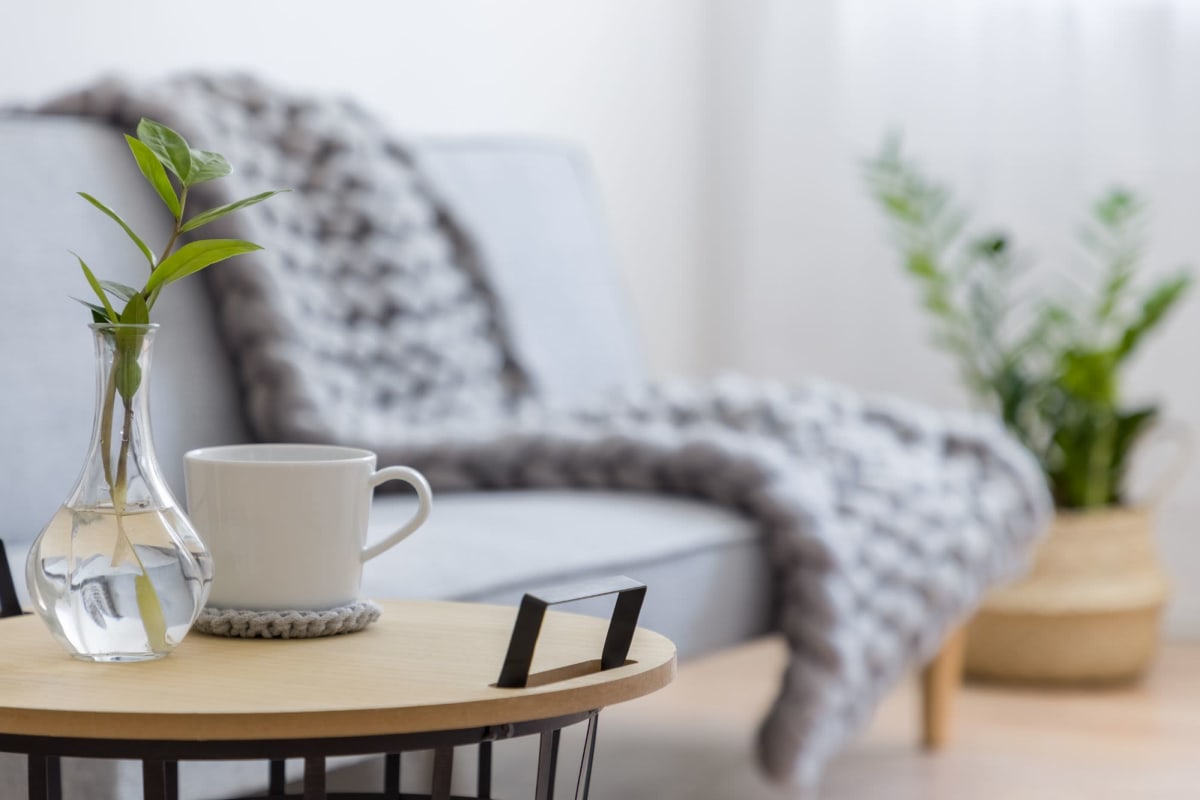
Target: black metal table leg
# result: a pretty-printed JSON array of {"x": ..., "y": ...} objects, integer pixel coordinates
[
  {"x": 154, "y": 779},
  {"x": 547, "y": 764},
  {"x": 391, "y": 776},
  {"x": 37, "y": 776},
  {"x": 583, "y": 784},
  {"x": 54, "y": 778},
  {"x": 314, "y": 778},
  {"x": 443, "y": 772},
  {"x": 9, "y": 605},
  {"x": 483, "y": 783},
  {"x": 277, "y": 782},
  {"x": 172, "y": 780}
]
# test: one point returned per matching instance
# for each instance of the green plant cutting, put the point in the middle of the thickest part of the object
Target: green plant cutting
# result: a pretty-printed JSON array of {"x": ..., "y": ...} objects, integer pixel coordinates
[
  {"x": 158, "y": 150},
  {"x": 1049, "y": 366}
]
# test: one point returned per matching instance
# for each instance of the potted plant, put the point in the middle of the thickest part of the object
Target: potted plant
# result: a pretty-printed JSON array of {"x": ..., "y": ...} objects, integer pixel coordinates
[
  {"x": 1050, "y": 366},
  {"x": 118, "y": 574}
]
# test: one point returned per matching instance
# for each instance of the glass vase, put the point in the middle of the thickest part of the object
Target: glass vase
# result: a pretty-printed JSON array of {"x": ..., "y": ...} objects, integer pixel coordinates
[{"x": 119, "y": 574}]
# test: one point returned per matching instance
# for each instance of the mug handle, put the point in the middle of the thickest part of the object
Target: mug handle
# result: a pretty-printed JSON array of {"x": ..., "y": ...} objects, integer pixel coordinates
[{"x": 424, "y": 500}]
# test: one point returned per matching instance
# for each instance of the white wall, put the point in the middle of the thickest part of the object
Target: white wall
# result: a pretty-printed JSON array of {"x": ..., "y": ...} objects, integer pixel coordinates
[
  {"x": 616, "y": 76},
  {"x": 1028, "y": 108}
]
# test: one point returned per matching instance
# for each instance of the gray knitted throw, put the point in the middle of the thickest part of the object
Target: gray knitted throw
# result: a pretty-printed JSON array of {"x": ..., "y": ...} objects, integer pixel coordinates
[{"x": 366, "y": 321}]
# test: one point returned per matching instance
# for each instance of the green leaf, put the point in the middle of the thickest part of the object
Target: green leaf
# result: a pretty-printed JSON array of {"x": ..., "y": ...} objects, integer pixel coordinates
[
  {"x": 150, "y": 607},
  {"x": 95, "y": 284},
  {"x": 921, "y": 265},
  {"x": 207, "y": 166},
  {"x": 1154, "y": 308},
  {"x": 124, "y": 226},
  {"x": 1130, "y": 427},
  {"x": 119, "y": 290},
  {"x": 206, "y": 217},
  {"x": 1117, "y": 207},
  {"x": 98, "y": 313},
  {"x": 937, "y": 304},
  {"x": 1089, "y": 375},
  {"x": 170, "y": 148},
  {"x": 1113, "y": 290},
  {"x": 153, "y": 171},
  {"x": 125, "y": 365},
  {"x": 195, "y": 256},
  {"x": 135, "y": 312},
  {"x": 129, "y": 342},
  {"x": 900, "y": 207},
  {"x": 990, "y": 246}
]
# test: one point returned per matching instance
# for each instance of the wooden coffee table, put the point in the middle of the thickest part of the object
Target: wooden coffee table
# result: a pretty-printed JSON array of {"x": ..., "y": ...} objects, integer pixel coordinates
[{"x": 424, "y": 677}]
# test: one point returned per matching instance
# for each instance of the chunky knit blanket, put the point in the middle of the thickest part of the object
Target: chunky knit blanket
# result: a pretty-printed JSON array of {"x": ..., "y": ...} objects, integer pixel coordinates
[{"x": 367, "y": 320}]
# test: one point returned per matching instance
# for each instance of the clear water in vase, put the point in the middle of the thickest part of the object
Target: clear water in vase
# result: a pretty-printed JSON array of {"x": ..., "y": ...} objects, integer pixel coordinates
[{"x": 118, "y": 588}]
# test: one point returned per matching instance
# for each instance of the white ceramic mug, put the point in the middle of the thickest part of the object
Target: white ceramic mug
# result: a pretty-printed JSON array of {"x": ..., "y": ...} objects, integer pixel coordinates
[{"x": 287, "y": 523}]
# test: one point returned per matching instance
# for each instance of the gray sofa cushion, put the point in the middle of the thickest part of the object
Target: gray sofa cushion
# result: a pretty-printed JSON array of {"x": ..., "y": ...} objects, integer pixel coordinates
[
  {"x": 704, "y": 564},
  {"x": 544, "y": 257}
]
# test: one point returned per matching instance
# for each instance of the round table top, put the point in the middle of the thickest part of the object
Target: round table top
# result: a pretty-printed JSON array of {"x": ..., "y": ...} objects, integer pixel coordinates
[{"x": 423, "y": 666}]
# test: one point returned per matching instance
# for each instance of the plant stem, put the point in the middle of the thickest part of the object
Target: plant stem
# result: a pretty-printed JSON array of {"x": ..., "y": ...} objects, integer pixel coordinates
[
  {"x": 121, "y": 485},
  {"x": 178, "y": 224},
  {"x": 148, "y": 600},
  {"x": 118, "y": 485},
  {"x": 106, "y": 415},
  {"x": 170, "y": 244}
]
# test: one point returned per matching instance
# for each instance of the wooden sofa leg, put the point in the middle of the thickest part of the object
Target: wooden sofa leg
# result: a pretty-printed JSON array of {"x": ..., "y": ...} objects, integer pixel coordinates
[{"x": 940, "y": 680}]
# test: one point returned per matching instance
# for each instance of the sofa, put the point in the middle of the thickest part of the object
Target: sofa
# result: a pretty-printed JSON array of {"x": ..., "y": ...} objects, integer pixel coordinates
[
  {"x": 715, "y": 577},
  {"x": 704, "y": 564}
]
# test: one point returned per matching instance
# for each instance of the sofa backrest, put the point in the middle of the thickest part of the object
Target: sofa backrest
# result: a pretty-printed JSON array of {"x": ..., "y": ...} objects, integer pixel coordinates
[
  {"x": 47, "y": 406},
  {"x": 529, "y": 206},
  {"x": 532, "y": 211}
]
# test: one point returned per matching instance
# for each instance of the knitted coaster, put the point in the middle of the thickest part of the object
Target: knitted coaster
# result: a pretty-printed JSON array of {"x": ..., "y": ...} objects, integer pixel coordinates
[{"x": 238, "y": 623}]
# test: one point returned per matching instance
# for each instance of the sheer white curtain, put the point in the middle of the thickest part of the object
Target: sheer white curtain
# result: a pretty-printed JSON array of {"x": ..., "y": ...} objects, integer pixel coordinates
[{"x": 1027, "y": 108}]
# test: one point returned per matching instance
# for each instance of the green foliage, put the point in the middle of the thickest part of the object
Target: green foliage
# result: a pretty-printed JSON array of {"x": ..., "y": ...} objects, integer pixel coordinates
[
  {"x": 206, "y": 217},
  {"x": 107, "y": 308},
  {"x": 137, "y": 240},
  {"x": 195, "y": 256},
  {"x": 153, "y": 171},
  {"x": 168, "y": 146},
  {"x": 157, "y": 151},
  {"x": 1050, "y": 368}
]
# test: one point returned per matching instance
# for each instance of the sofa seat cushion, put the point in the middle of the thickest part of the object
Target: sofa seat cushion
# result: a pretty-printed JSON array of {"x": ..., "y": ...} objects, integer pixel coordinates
[{"x": 704, "y": 565}]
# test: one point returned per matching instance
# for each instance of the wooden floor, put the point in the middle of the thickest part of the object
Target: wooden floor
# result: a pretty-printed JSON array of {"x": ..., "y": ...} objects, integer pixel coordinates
[{"x": 693, "y": 740}]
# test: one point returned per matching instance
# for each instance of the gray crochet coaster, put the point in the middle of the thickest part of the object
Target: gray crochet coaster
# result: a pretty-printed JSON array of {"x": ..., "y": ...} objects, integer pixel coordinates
[{"x": 238, "y": 623}]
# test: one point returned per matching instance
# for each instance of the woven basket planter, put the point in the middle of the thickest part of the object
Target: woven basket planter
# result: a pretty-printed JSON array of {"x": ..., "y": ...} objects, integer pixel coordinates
[{"x": 1088, "y": 611}]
